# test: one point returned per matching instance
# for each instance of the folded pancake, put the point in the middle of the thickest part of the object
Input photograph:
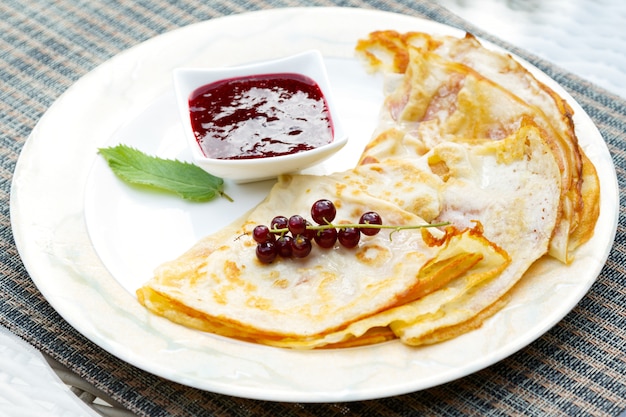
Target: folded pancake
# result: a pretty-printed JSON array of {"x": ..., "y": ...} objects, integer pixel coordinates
[
  {"x": 220, "y": 286},
  {"x": 458, "y": 142},
  {"x": 453, "y": 88}
]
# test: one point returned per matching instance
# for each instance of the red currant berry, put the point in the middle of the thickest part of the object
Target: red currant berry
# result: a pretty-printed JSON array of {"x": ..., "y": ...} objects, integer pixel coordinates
[
  {"x": 326, "y": 238},
  {"x": 323, "y": 211},
  {"x": 371, "y": 217},
  {"x": 266, "y": 252},
  {"x": 297, "y": 224},
  {"x": 279, "y": 222},
  {"x": 261, "y": 233},
  {"x": 283, "y": 246},
  {"x": 349, "y": 237},
  {"x": 300, "y": 247}
]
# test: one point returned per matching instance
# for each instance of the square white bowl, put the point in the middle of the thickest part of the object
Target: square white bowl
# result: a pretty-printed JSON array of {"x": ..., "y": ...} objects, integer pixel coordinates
[{"x": 310, "y": 64}]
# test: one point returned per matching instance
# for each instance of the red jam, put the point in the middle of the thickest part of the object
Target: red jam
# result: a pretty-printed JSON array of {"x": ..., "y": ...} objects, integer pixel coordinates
[{"x": 260, "y": 116}]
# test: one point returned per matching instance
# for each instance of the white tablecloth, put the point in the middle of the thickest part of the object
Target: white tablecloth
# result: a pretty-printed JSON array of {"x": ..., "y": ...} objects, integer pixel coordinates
[
  {"x": 29, "y": 387},
  {"x": 585, "y": 37}
]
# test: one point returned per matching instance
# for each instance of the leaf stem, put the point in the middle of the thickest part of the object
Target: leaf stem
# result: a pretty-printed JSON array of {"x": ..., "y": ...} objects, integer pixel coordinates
[{"x": 226, "y": 196}]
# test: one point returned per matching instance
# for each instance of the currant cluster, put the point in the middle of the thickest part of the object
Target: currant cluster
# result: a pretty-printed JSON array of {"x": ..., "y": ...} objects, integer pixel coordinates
[{"x": 293, "y": 237}]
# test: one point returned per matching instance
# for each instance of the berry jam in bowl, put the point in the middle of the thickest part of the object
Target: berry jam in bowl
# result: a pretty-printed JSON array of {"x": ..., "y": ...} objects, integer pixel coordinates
[{"x": 254, "y": 122}]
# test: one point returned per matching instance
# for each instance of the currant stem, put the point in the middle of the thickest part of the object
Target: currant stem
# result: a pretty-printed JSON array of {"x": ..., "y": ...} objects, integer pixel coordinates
[{"x": 364, "y": 226}]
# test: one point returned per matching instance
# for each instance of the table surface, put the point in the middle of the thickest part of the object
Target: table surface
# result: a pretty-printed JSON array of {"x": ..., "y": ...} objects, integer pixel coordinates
[
  {"x": 584, "y": 37},
  {"x": 579, "y": 43}
]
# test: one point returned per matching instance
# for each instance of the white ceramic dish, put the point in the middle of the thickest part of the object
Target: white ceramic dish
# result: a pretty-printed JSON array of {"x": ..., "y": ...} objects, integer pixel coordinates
[
  {"x": 309, "y": 63},
  {"x": 88, "y": 240}
]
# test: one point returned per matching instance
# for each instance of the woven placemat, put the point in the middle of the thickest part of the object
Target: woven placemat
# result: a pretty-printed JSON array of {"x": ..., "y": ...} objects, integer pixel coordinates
[{"x": 577, "y": 368}]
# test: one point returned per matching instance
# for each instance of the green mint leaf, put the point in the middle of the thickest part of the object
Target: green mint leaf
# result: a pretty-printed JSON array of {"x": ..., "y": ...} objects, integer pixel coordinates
[{"x": 183, "y": 178}]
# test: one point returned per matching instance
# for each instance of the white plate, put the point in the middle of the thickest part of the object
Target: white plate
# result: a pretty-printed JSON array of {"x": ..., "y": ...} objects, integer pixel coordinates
[{"x": 89, "y": 240}]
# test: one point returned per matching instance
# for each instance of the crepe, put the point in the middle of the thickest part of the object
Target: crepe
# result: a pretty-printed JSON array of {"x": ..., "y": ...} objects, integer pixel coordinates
[
  {"x": 232, "y": 293},
  {"x": 453, "y": 145},
  {"x": 453, "y": 89}
]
